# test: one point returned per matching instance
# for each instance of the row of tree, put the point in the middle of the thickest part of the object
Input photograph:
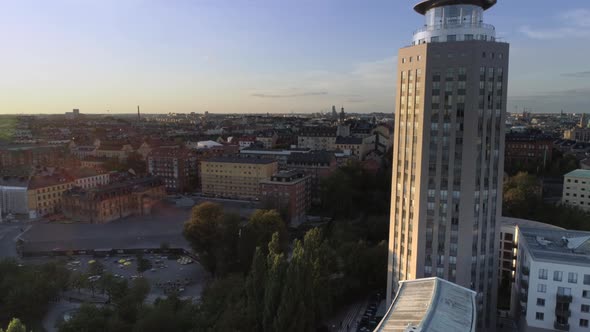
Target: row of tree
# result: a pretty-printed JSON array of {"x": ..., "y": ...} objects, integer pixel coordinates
[
  {"x": 25, "y": 291},
  {"x": 523, "y": 199},
  {"x": 15, "y": 325},
  {"x": 282, "y": 287},
  {"x": 124, "y": 311},
  {"x": 352, "y": 191}
]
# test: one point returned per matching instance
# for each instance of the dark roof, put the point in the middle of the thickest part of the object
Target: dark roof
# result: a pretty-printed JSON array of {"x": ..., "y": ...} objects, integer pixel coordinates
[
  {"x": 238, "y": 160},
  {"x": 171, "y": 152},
  {"x": 132, "y": 185},
  {"x": 311, "y": 157},
  {"x": 349, "y": 140},
  {"x": 318, "y": 131},
  {"x": 426, "y": 5},
  {"x": 42, "y": 181},
  {"x": 14, "y": 181},
  {"x": 287, "y": 176},
  {"x": 527, "y": 137}
]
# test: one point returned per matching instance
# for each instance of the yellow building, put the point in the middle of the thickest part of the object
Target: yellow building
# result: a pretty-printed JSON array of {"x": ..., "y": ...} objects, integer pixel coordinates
[
  {"x": 235, "y": 177},
  {"x": 45, "y": 194}
]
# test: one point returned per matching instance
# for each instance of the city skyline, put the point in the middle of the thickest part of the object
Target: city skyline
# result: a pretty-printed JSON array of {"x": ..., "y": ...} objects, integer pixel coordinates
[{"x": 224, "y": 57}]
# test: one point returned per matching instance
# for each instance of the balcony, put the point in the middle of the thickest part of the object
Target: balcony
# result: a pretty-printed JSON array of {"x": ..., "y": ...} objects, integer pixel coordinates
[
  {"x": 455, "y": 26},
  {"x": 524, "y": 284},
  {"x": 525, "y": 271},
  {"x": 561, "y": 327},
  {"x": 524, "y": 298},
  {"x": 563, "y": 312},
  {"x": 561, "y": 298}
]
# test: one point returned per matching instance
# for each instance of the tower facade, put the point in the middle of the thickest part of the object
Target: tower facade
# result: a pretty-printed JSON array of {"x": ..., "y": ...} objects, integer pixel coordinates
[{"x": 448, "y": 152}]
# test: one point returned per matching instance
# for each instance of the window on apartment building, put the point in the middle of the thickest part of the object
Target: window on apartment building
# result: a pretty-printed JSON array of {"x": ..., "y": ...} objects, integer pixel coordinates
[
  {"x": 557, "y": 276},
  {"x": 539, "y": 316},
  {"x": 543, "y": 274},
  {"x": 583, "y": 323},
  {"x": 585, "y": 308},
  {"x": 586, "y": 279},
  {"x": 542, "y": 288},
  {"x": 572, "y": 278},
  {"x": 541, "y": 302},
  {"x": 586, "y": 294}
]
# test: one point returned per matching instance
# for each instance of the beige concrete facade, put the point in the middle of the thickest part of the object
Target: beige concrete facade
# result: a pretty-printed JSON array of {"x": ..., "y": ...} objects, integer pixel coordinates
[
  {"x": 576, "y": 189},
  {"x": 235, "y": 177},
  {"x": 447, "y": 168}
]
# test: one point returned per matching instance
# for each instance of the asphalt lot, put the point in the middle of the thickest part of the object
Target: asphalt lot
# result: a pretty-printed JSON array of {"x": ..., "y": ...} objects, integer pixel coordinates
[
  {"x": 164, "y": 225},
  {"x": 8, "y": 234},
  {"x": 189, "y": 278}
]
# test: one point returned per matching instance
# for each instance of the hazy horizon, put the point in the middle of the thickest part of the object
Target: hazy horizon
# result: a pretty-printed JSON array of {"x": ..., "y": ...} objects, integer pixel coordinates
[{"x": 260, "y": 56}]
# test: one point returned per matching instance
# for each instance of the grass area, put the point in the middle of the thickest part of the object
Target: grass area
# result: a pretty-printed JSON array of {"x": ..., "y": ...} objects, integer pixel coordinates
[{"x": 7, "y": 127}]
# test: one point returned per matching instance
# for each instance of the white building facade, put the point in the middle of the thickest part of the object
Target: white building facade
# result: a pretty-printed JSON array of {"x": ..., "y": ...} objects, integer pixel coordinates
[
  {"x": 551, "y": 291},
  {"x": 576, "y": 189}
]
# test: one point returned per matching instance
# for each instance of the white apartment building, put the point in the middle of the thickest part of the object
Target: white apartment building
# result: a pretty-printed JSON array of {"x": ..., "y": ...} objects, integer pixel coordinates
[
  {"x": 507, "y": 245},
  {"x": 576, "y": 189},
  {"x": 13, "y": 196},
  {"x": 551, "y": 291}
]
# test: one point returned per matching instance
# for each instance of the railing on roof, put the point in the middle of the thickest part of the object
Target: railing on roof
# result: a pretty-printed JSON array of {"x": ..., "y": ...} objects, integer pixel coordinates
[{"x": 454, "y": 26}]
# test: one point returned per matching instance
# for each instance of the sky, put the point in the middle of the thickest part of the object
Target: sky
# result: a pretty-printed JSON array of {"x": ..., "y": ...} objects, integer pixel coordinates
[{"x": 258, "y": 56}]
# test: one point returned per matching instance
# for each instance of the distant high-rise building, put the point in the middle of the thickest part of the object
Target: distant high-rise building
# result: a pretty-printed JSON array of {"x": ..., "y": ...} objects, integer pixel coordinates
[
  {"x": 448, "y": 152},
  {"x": 342, "y": 115},
  {"x": 334, "y": 114}
]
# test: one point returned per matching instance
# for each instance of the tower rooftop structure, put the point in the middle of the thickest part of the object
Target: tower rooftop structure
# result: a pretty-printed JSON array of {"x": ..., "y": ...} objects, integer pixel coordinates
[
  {"x": 426, "y": 5},
  {"x": 453, "y": 20}
]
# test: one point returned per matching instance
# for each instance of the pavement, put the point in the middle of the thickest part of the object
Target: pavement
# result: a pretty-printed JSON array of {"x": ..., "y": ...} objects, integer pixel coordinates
[
  {"x": 9, "y": 233},
  {"x": 347, "y": 319},
  {"x": 56, "y": 312},
  {"x": 190, "y": 278}
]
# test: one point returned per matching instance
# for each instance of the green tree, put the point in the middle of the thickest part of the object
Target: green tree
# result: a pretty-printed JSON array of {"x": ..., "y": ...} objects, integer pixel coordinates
[
  {"x": 521, "y": 195},
  {"x": 277, "y": 266},
  {"x": 265, "y": 223},
  {"x": 293, "y": 314},
  {"x": 143, "y": 264},
  {"x": 96, "y": 268},
  {"x": 223, "y": 306},
  {"x": 16, "y": 325},
  {"x": 88, "y": 318},
  {"x": 255, "y": 286},
  {"x": 213, "y": 235},
  {"x": 78, "y": 280},
  {"x": 25, "y": 291}
]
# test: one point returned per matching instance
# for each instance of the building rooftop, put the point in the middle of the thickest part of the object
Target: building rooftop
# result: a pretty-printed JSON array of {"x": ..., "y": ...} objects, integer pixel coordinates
[
  {"x": 349, "y": 140},
  {"x": 425, "y": 5},
  {"x": 555, "y": 245},
  {"x": 314, "y": 157},
  {"x": 131, "y": 185},
  {"x": 430, "y": 305},
  {"x": 42, "y": 181},
  {"x": 238, "y": 160},
  {"x": 579, "y": 173},
  {"x": 14, "y": 181},
  {"x": 508, "y": 221},
  {"x": 274, "y": 152},
  {"x": 287, "y": 177}
]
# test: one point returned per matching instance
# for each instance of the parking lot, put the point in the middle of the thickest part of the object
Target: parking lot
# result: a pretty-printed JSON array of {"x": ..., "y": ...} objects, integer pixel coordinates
[{"x": 166, "y": 274}]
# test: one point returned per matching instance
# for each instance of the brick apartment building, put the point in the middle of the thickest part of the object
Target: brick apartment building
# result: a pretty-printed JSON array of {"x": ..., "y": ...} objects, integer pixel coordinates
[
  {"x": 112, "y": 202},
  {"x": 290, "y": 190},
  {"x": 527, "y": 150},
  {"x": 31, "y": 155},
  {"x": 177, "y": 166},
  {"x": 315, "y": 164}
]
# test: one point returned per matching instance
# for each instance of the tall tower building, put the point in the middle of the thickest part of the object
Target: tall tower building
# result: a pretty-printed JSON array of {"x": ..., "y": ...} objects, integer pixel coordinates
[{"x": 448, "y": 152}]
